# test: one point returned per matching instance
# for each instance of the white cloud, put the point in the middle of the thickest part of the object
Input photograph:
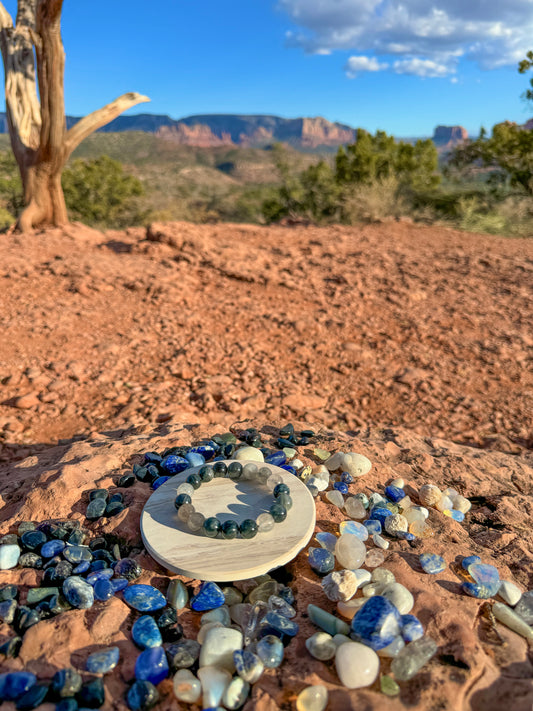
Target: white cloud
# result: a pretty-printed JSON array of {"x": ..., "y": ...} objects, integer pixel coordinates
[
  {"x": 420, "y": 67},
  {"x": 489, "y": 32},
  {"x": 356, "y": 65}
]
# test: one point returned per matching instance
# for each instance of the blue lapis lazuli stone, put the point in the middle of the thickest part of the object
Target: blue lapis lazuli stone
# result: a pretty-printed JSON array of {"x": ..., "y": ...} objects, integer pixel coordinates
[
  {"x": 380, "y": 514},
  {"x": 152, "y": 665},
  {"x": 480, "y": 590},
  {"x": 469, "y": 560},
  {"x": 321, "y": 560},
  {"x": 145, "y": 598},
  {"x": 276, "y": 458},
  {"x": 160, "y": 480},
  {"x": 145, "y": 632},
  {"x": 247, "y": 664},
  {"x": 52, "y": 548},
  {"x": 347, "y": 478},
  {"x": 394, "y": 493},
  {"x": 432, "y": 563},
  {"x": 404, "y": 536},
  {"x": 373, "y": 525},
  {"x": 172, "y": 464},
  {"x": 14, "y": 684},
  {"x": 207, "y": 450},
  {"x": 93, "y": 578},
  {"x": 119, "y": 583},
  {"x": 377, "y": 623},
  {"x": 82, "y": 567},
  {"x": 104, "y": 661},
  {"x": 195, "y": 459},
  {"x": 288, "y": 468},
  {"x": 278, "y": 625},
  {"x": 78, "y": 593},
  {"x": 209, "y": 597},
  {"x": 341, "y": 486},
  {"x": 327, "y": 540},
  {"x": 412, "y": 628},
  {"x": 98, "y": 565},
  {"x": 484, "y": 574},
  {"x": 103, "y": 590}
]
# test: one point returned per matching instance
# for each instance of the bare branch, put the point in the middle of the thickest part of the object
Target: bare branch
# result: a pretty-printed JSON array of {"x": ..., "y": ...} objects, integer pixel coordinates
[
  {"x": 100, "y": 117},
  {"x": 26, "y": 13},
  {"x": 5, "y": 19}
]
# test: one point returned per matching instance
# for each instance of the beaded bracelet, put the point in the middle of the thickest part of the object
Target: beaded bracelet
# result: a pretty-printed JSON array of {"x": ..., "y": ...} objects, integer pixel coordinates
[{"x": 249, "y": 528}]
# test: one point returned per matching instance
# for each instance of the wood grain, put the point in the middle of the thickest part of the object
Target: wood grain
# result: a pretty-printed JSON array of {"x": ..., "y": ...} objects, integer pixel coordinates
[{"x": 170, "y": 543}]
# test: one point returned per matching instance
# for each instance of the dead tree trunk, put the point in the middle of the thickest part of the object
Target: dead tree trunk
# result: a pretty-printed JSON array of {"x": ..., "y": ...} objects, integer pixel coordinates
[{"x": 39, "y": 137}]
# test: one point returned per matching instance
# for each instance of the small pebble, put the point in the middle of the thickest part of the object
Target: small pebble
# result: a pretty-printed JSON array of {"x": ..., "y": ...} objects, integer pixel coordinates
[
  {"x": 357, "y": 665},
  {"x": 313, "y": 698},
  {"x": 321, "y": 646},
  {"x": 432, "y": 563}
]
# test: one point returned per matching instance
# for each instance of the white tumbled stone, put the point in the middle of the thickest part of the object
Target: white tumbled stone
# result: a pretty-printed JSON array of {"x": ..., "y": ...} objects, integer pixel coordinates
[
  {"x": 187, "y": 687},
  {"x": 379, "y": 541},
  {"x": 218, "y": 647},
  {"x": 350, "y": 551},
  {"x": 356, "y": 464},
  {"x": 445, "y": 503},
  {"x": 313, "y": 698},
  {"x": 340, "y": 585},
  {"x": 204, "y": 629},
  {"x": 214, "y": 683},
  {"x": 400, "y": 596},
  {"x": 357, "y": 665},
  {"x": 339, "y": 639},
  {"x": 336, "y": 498},
  {"x": 354, "y": 508},
  {"x": 392, "y": 649},
  {"x": 382, "y": 575},
  {"x": 335, "y": 461},
  {"x": 509, "y": 592},
  {"x": 252, "y": 454},
  {"x": 400, "y": 483},
  {"x": 363, "y": 576},
  {"x": 9, "y": 556},
  {"x": 460, "y": 503},
  {"x": 320, "y": 484},
  {"x": 429, "y": 495},
  {"x": 321, "y": 646},
  {"x": 348, "y": 609}
]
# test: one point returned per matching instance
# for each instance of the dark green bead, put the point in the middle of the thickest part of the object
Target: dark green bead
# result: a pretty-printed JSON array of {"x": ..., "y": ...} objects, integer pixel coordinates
[
  {"x": 235, "y": 470},
  {"x": 220, "y": 469},
  {"x": 230, "y": 529},
  {"x": 248, "y": 528},
  {"x": 206, "y": 474},
  {"x": 281, "y": 489},
  {"x": 285, "y": 500},
  {"x": 278, "y": 512},
  {"x": 182, "y": 499},
  {"x": 212, "y": 527},
  {"x": 194, "y": 480}
]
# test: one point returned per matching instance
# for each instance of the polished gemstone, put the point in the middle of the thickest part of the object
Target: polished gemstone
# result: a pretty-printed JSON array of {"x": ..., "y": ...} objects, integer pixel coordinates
[
  {"x": 103, "y": 661},
  {"x": 411, "y": 628},
  {"x": 187, "y": 687},
  {"x": 265, "y": 523},
  {"x": 167, "y": 621},
  {"x": 357, "y": 665},
  {"x": 388, "y": 686},
  {"x": 484, "y": 574},
  {"x": 326, "y": 621},
  {"x": 218, "y": 647},
  {"x": 183, "y": 654},
  {"x": 92, "y": 694},
  {"x": 96, "y": 509},
  {"x": 336, "y": 498},
  {"x": 380, "y": 513},
  {"x": 341, "y": 486},
  {"x": 172, "y": 464},
  {"x": 412, "y": 658},
  {"x": 373, "y": 526},
  {"x": 278, "y": 625},
  {"x": 230, "y": 529},
  {"x": 128, "y": 568},
  {"x": 78, "y": 593},
  {"x": 208, "y": 597},
  {"x": 248, "y": 665},
  {"x": 126, "y": 480},
  {"x": 194, "y": 480},
  {"x": 142, "y": 696},
  {"x": 103, "y": 590},
  {"x": 354, "y": 528},
  {"x": 394, "y": 493},
  {"x": 36, "y": 595},
  {"x": 77, "y": 554},
  {"x": 66, "y": 683},
  {"x": 151, "y": 665},
  {"x": 117, "y": 508},
  {"x": 327, "y": 540},
  {"x": 510, "y": 619},
  {"x": 432, "y": 563},
  {"x": 524, "y": 607},
  {"x": 321, "y": 646},
  {"x": 350, "y": 551},
  {"x": 377, "y": 623},
  {"x": 399, "y": 596},
  {"x": 144, "y": 598},
  {"x": 33, "y": 698},
  {"x": 146, "y": 633},
  {"x": 470, "y": 560},
  {"x": 14, "y": 684},
  {"x": 321, "y": 560},
  {"x": 177, "y": 594},
  {"x": 93, "y": 578},
  {"x": 248, "y": 528},
  {"x": 9, "y": 556},
  {"x": 269, "y": 649},
  {"x": 276, "y": 458},
  {"x": 235, "y": 470},
  {"x": 182, "y": 499},
  {"x": 212, "y": 527},
  {"x": 31, "y": 560},
  {"x": 354, "y": 507},
  {"x": 32, "y": 540},
  {"x": 509, "y": 592},
  {"x": 52, "y": 548},
  {"x": 195, "y": 459},
  {"x": 7, "y": 611},
  {"x": 312, "y": 698},
  {"x": 214, "y": 683},
  {"x": 480, "y": 590}
]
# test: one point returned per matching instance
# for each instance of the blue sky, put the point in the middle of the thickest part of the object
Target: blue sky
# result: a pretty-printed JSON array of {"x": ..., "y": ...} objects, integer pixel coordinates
[{"x": 403, "y": 66}]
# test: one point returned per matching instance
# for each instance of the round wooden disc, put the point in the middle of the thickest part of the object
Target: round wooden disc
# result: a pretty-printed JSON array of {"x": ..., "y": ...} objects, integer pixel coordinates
[{"x": 179, "y": 550}]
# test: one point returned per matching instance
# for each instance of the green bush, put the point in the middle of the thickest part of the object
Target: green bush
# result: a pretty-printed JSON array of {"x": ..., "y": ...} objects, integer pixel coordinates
[{"x": 99, "y": 192}]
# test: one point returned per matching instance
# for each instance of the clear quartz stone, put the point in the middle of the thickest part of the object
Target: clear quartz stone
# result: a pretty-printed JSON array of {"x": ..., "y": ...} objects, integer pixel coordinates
[
  {"x": 336, "y": 498},
  {"x": 263, "y": 475},
  {"x": 273, "y": 480},
  {"x": 374, "y": 558},
  {"x": 195, "y": 521},
  {"x": 249, "y": 471},
  {"x": 313, "y": 698},
  {"x": 185, "y": 511},
  {"x": 412, "y": 658},
  {"x": 251, "y": 629},
  {"x": 185, "y": 488},
  {"x": 265, "y": 522},
  {"x": 354, "y": 508}
]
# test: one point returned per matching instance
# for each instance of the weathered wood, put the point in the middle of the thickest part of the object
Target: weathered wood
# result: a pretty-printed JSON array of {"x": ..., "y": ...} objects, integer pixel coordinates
[
  {"x": 37, "y": 128},
  {"x": 179, "y": 550}
]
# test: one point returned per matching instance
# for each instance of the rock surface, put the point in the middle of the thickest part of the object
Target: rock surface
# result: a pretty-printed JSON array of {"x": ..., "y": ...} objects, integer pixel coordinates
[{"x": 477, "y": 665}]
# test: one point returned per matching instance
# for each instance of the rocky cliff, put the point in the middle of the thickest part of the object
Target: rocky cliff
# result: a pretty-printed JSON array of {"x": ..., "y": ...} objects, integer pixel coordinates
[{"x": 449, "y": 136}]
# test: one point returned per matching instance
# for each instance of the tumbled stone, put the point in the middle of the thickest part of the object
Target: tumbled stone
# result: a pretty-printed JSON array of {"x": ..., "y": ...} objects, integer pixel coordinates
[
  {"x": 214, "y": 684},
  {"x": 142, "y": 696},
  {"x": 429, "y": 495},
  {"x": 354, "y": 528},
  {"x": 321, "y": 560},
  {"x": 33, "y": 698},
  {"x": 251, "y": 454},
  {"x": 8, "y": 591},
  {"x": 326, "y": 621},
  {"x": 263, "y": 591},
  {"x": 432, "y": 563},
  {"x": 374, "y": 558},
  {"x": 377, "y": 623},
  {"x": 128, "y": 568},
  {"x": 219, "y": 646},
  {"x": 356, "y": 464},
  {"x": 312, "y": 698},
  {"x": 144, "y": 598},
  {"x": 357, "y": 665},
  {"x": 96, "y": 509},
  {"x": 340, "y": 585},
  {"x": 52, "y": 548},
  {"x": 187, "y": 687},
  {"x": 146, "y": 633},
  {"x": 151, "y": 665},
  {"x": 510, "y": 619},
  {"x": 373, "y": 526},
  {"x": 480, "y": 591},
  {"x": 411, "y": 628},
  {"x": 219, "y": 614},
  {"x": 270, "y": 649},
  {"x": 509, "y": 592},
  {"x": 183, "y": 654},
  {"x": 354, "y": 508},
  {"x": 92, "y": 694},
  {"x": 336, "y": 498},
  {"x": 400, "y": 596},
  {"x": 412, "y": 658},
  {"x": 32, "y": 540},
  {"x": 235, "y": 694},
  {"x": 208, "y": 597},
  {"x": 350, "y": 551},
  {"x": 177, "y": 594},
  {"x": 167, "y": 622},
  {"x": 380, "y": 542},
  {"x": 396, "y": 524},
  {"x": 278, "y": 625},
  {"x": 388, "y": 686},
  {"x": 103, "y": 661},
  {"x": 7, "y": 611},
  {"x": 470, "y": 560},
  {"x": 248, "y": 665},
  {"x": 66, "y": 683},
  {"x": 78, "y": 593},
  {"x": 524, "y": 607},
  {"x": 484, "y": 574},
  {"x": 9, "y": 556},
  {"x": 321, "y": 646},
  {"x": 327, "y": 541},
  {"x": 232, "y": 596},
  {"x": 14, "y": 684},
  {"x": 36, "y": 595}
]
